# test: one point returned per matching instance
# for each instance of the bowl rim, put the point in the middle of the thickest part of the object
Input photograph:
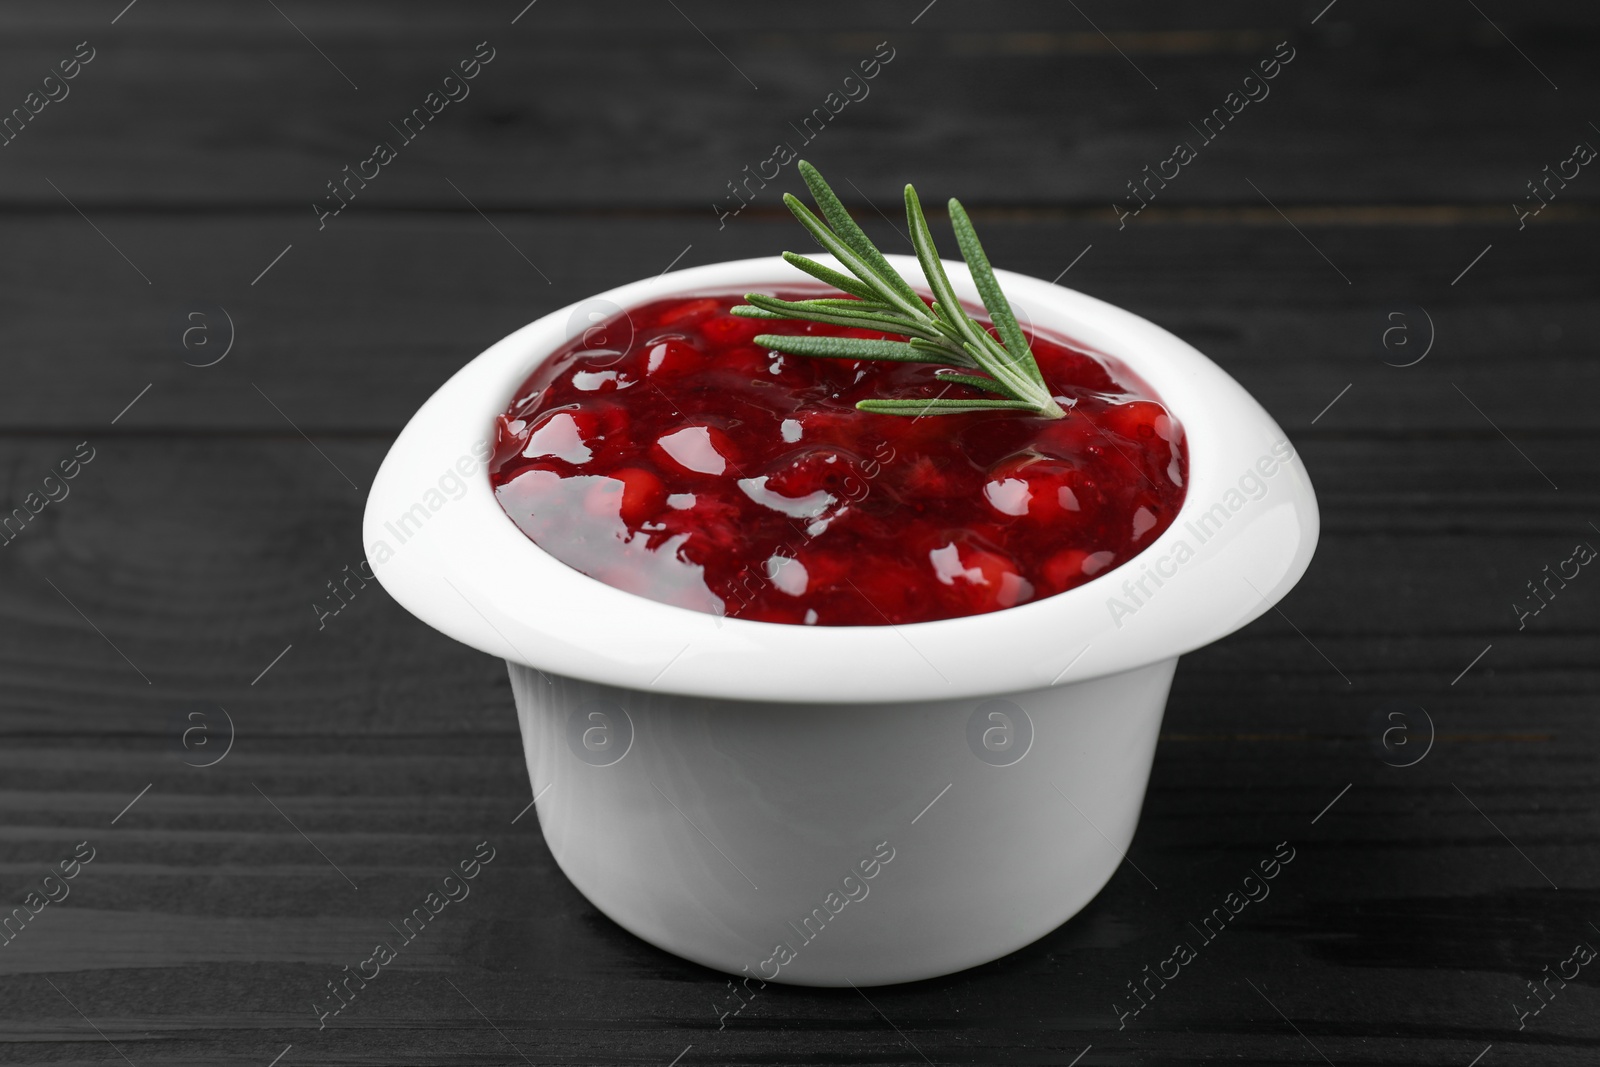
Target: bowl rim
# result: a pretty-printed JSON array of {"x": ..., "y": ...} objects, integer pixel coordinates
[{"x": 460, "y": 564}]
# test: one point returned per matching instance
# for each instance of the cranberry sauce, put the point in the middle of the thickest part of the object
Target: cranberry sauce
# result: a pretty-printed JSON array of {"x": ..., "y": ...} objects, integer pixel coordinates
[{"x": 691, "y": 466}]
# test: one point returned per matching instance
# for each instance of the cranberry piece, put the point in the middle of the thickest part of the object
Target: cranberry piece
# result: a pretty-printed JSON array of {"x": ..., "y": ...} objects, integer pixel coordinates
[
  {"x": 633, "y": 494},
  {"x": 818, "y": 470},
  {"x": 788, "y": 575},
  {"x": 990, "y": 445},
  {"x": 1082, "y": 373},
  {"x": 991, "y": 579},
  {"x": 824, "y": 570},
  {"x": 613, "y": 421},
  {"x": 1074, "y": 434},
  {"x": 829, "y": 424},
  {"x": 672, "y": 357},
  {"x": 1037, "y": 488},
  {"x": 573, "y": 436},
  {"x": 688, "y": 312},
  {"x": 601, "y": 381},
  {"x": 713, "y": 535},
  {"x": 1072, "y": 566},
  {"x": 696, "y": 449},
  {"x": 731, "y": 329},
  {"x": 1144, "y": 520},
  {"x": 509, "y": 436},
  {"x": 747, "y": 360},
  {"x": 1139, "y": 420},
  {"x": 1009, "y": 496},
  {"x": 925, "y": 477}
]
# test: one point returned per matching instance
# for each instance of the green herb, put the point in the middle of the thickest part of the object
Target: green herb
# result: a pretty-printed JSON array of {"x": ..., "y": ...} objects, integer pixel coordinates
[{"x": 883, "y": 301}]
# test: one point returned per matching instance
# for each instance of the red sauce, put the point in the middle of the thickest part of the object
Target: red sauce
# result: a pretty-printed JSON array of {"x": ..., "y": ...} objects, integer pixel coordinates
[{"x": 693, "y": 467}]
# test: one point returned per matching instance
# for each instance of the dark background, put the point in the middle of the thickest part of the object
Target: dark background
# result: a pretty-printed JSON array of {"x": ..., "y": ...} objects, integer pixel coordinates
[{"x": 192, "y": 549}]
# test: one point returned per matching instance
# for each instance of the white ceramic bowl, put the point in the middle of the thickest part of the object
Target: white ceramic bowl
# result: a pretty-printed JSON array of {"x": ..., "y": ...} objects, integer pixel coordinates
[{"x": 828, "y": 805}]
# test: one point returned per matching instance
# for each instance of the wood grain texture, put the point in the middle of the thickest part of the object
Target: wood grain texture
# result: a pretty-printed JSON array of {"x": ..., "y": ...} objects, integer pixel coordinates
[
  {"x": 395, "y": 751},
  {"x": 178, "y": 576},
  {"x": 655, "y": 110},
  {"x": 352, "y": 329}
]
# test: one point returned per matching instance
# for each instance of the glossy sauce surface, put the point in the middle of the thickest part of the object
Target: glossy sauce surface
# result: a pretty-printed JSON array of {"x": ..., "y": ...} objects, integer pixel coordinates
[{"x": 663, "y": 453}]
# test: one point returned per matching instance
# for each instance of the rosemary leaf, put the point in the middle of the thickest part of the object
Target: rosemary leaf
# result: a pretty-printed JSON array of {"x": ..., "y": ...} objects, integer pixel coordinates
[
  {"x": 940, "y": 406},
  {"x": 881, "y": 287},
  {"x": 948, "y": 304},
  {"x": 986, "y": 384},
  {"x": 834, "y": 315},
  {"x": 999, "y": 308},
  {"x": 942, "y": 349},
  {"x": 845, "y": 226},
  {"x": 839, "y": 347},
  {"x": 850, "y": 302},
  {"x": 842, "y": 282}
]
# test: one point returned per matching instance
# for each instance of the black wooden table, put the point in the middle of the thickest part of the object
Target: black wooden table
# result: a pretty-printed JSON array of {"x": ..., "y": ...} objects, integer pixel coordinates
[{"x": 220, "y": 362}]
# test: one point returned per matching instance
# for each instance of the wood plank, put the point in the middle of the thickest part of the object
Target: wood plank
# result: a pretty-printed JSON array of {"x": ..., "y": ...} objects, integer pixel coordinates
[
  {"x": 648, "y": 113},
  {"x": 1146, "y": 16},
  {"x": 353, "y": 328},
  {"x": 201, "y": 560}
]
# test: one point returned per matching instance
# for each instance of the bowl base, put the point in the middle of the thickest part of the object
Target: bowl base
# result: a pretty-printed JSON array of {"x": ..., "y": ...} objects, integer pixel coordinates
[{"x": 840, "y": 844}]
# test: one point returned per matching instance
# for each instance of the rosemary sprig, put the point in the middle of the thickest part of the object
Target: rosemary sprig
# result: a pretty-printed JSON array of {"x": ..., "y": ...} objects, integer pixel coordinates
[{"x": 883, "y": 301}]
